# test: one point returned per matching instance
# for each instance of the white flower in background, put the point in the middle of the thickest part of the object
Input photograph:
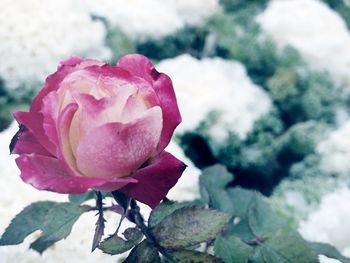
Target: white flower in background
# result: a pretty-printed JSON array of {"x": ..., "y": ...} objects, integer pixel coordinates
[
  {"x": 140, "y": 19},
  {"x": 36, "y": 34},
  {"x": 324, "y": 259},
  {"x": 330, "y": 223},
  {"x": 315, "y": 30},
  {"x": 195, "y": 12},
  {"x": 335, "y": 151},
  {"x": 215, "y": 84},
  {"x": 187, "y": 188}
]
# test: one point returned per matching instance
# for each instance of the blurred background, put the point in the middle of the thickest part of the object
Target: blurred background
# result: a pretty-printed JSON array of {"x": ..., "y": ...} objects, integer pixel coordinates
[{"x": 263, "y": 88}]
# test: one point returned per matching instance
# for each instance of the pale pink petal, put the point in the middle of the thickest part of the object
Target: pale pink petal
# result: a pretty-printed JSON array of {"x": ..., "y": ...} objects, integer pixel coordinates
[
  {"x": 65, "y": 153},
  {"x": 94, "y": 112},
  {"x": 117, "y": 149},
  {"x": 46, "y": 173},
  {"x": 155, "y": 180}
]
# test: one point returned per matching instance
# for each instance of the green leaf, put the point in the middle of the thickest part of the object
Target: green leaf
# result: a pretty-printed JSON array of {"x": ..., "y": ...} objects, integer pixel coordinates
[
  {"x": 79, "y": 199},
  {"x": 289, "y": 246},
  {"x": 189, "y": 256},
  {"x": 213, "y": 182},
  {"x": 232, "y": 249},
  {"x": 328, "y": 250},
  {"x": 26, "y": 222},
  {"x": 189, "y": 226},
  {"x": 163, "y": 210},
  {"x": 258, "y": 221},
  {"x": 241, "y": 199},
  {"x": 116, "y": 245},
  {"x": 143, "y": 252},
  {"x": 58, "y": 224},
  {"x": 260, "y": 236}
]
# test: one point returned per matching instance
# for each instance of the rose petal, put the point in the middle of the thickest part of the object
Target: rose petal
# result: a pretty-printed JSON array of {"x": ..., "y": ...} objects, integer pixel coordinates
[
  {"x": 35, "y": 119},
  {"x": 24, "y": 142},
  {"x": 171, "y": 114},
  {"x": 142, "y": 67},
  {"x": 65, "y": 150},
  {"x": 46, "y": 173},
  {"x": 138, "y": 65},
  {"x": 117, "y": 149},
  {"x": 50, "y": 111},
  {"x": 94, "y": 112},
  {"x": 155, "y": 180}
]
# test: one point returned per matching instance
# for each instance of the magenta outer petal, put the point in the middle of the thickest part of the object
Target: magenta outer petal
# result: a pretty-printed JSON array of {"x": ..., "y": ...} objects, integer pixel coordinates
[
  {"x": 171, "y": 114},
  {"x": 142, "y": 67},
  {"x": 138, "y": 65},
  {"x": 155, "y": 180},
  {"x": 25, "y": 142},
  {"x": 34, "y": 119},
  {"x": 46, "y": 173}
]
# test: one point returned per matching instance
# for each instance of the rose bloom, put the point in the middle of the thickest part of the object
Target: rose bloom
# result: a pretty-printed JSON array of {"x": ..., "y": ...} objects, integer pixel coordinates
[{"x": 101, "y": 127}]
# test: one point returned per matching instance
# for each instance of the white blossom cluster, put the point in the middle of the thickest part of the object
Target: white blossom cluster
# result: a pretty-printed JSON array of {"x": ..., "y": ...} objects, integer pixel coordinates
[
  {"x": 330, "y": 223},
  {"x": 36, "y": 34},
  {"x": 315, "y": 30},
  {"x": 215, "y": 84},
  {"x": 140, "y": 19},
  {"x": 335, "y": 150}
]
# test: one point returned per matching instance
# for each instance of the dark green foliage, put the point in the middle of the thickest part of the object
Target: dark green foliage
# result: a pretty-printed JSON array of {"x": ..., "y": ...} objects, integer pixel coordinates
[
  {"x": 188, "y": 40},
  {"x": 301, "y": 94},
  {"x": 243, "y": 42},
  {"x": 237, "y": 5},
  {"x": 190, "y": 256}
]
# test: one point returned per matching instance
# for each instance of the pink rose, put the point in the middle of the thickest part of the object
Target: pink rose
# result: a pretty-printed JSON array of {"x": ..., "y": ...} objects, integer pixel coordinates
[{"x": 102, "y": 127}]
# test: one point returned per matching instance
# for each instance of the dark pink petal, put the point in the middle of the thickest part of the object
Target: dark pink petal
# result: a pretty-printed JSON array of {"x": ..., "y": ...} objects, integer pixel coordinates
[
  {"x": 171, "y": 114},
  {"x": 109, "y": 71},
  {"x": 138, "y": 65},
  {"x": 24, "y": 142},
  {"x": 46, "y": 173},
  {"x": 117, "y": 149},
  {"x": 155, "y": 180},
  {"x": 142, "y": 67},
  {"x": 34, "y": 119},
  {"x": 49, "y": 110}
]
